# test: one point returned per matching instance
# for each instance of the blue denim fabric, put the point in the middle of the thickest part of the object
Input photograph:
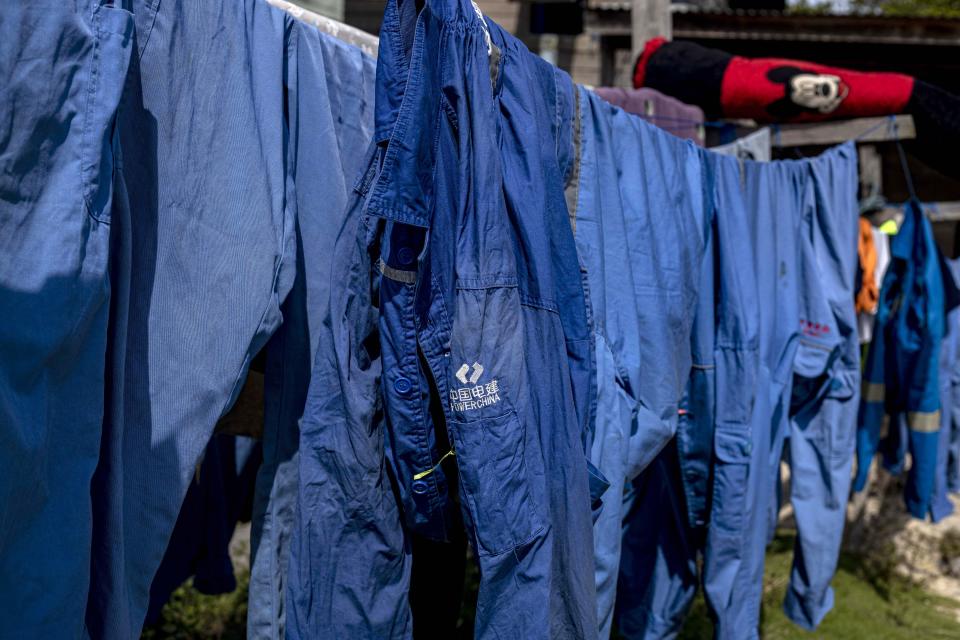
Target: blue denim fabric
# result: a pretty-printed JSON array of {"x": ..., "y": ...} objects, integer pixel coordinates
[
  {"x": 62, "y": 69},
  {"x": 664, "y": 530},
  {"x": 901, "y": 374},
  {"x": 349, "y": 564},
  {"x": 472, "y": 188},
  {"x": 642, "y": 314},
  {"x": 205, "y": 254},
  {"x": 330, "y": 116}
]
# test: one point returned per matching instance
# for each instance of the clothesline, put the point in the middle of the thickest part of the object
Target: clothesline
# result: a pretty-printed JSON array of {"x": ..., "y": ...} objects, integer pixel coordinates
[
  {"x": 367, "y": 42},
  {"x": 899, "y": 127}
]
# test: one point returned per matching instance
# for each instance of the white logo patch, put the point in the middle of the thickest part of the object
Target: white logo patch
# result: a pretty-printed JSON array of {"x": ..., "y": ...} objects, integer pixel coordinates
[
  {"x": 477, "y": 396},
  {"x": 463, "y": 370}
]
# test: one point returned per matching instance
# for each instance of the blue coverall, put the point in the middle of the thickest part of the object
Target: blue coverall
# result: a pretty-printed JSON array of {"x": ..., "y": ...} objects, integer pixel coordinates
[
  {"x": 902, "y": 370},
  {"x": 482, "y": 344},
  {"x": 641, "y": 217},
  {"x": 940, "y": 504},
  {"x": 658, "y": 574},
  {"x": 801, "y": 217}
]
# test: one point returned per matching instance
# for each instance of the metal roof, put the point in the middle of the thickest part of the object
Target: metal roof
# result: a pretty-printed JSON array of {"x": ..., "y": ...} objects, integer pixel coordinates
[{"x": 608, "y": 17}]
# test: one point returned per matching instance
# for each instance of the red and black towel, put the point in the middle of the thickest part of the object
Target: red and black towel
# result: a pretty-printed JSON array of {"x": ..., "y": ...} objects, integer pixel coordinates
[{"x": 779, "y": 90}]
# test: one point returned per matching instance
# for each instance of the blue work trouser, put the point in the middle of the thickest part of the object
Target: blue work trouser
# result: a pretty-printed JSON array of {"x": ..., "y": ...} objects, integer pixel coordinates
[
  {"x": 643, "y": 270},
  {"x": 216, "y": 500},
  {"x": 205, "y": 255},
  {"x": 62, "y": 69},
  {"x": 330, "y": 111},
  {"x": 669, "y": 504}
]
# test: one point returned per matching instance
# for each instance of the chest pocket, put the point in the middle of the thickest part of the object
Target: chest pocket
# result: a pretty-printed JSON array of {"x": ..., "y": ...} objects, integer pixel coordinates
[{"x": 486, "y": 381}]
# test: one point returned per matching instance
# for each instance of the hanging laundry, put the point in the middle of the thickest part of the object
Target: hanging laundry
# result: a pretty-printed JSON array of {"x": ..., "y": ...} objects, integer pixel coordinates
[
  {"x": 806, "y": 383},
  {"x": 349, "y": 564},
  {"x": 330, "y": 111},
  {"x": 62, "y": 68},
  {"x": 952, "y": 370},
  {"x": 217, "y": 499},
  {"x": 682, "y": 120},
  {"x": 868, "y": 294},
  {"x": 881, "y": 247},
  {"x": 494, "y": 309},
  {"x": 901, "y": 373},
  {"x": 665, "y": 529},
  {"x": 754, "y": 146},
  {"x": 949, "y": 438},
  {"x": 482, "y": 323},
  {"x": 643, "y": 270},
  {"x": 204, "y": 254},
  {"x": 185, "y": 171},
  {"x": 825, "y": 386}
]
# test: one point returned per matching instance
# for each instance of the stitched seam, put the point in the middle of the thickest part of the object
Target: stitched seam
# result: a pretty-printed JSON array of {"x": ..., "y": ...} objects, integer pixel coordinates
[
  {"x": 87, "y": 117},
  {"x": 534, "y": 303}
]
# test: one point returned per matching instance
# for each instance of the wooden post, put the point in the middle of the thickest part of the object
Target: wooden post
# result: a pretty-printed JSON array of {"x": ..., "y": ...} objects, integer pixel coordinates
[
  {"x": 871, "y": 171},
  {"x": 650, "y": 18}
]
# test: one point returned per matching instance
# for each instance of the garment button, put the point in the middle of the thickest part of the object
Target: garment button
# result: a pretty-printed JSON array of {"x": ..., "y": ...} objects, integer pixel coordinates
[
  {"x": 402, "y": 385},
  {"x": 405, "y": 256},
  {"x": 419, "y": 487}
]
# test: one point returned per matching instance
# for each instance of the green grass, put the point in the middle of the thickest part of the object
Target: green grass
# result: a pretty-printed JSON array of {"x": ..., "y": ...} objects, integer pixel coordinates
[
  {"x": 191, "y": 615},
  {"x": 871, "y": 602}
]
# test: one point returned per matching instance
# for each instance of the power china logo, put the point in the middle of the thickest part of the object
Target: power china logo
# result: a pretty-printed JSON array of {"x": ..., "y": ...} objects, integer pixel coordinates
[{"x": 473, "y": 394}]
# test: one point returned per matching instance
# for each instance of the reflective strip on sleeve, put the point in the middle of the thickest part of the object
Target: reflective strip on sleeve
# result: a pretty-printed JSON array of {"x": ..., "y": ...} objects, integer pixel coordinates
[
  {"x": 873, "y": 391},
  {"x": 925, "y": 422},
  {"x": 406, "y": 277}
]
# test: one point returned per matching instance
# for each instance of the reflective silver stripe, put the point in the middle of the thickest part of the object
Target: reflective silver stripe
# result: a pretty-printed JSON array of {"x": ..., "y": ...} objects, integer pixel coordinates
[
  {"x": 873, "y": 391},
  {"x": 925, "y": 422},
  {"x": 885, "y": 426},
  {"x": 406, "y": 277}
]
